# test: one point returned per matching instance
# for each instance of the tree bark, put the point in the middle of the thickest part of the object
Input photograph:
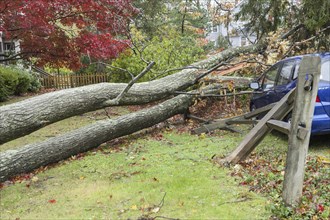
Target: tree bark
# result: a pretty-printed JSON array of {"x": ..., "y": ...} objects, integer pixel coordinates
[
  {"x": 24, "y": 117},
  {"x": 30, "y": 157}
]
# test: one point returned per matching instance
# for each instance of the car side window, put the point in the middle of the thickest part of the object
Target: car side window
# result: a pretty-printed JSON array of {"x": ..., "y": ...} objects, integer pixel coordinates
[
  {"x": 284, "y": 76},
  {"x": 270, "y": 77},
  {"x": 296, "y": 69},
  {"x": 325, "y": 70}
]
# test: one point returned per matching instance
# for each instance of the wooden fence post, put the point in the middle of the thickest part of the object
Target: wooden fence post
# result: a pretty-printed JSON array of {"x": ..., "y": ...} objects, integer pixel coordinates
[
  {"x": 257, "y": 133},
  {"x": 307, "y": 86}
]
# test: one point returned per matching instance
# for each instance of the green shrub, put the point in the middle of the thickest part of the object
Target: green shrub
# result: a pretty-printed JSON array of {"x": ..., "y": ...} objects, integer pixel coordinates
[
  {"x": 23, "y": 84},
  {"x": 9, "y": 81},
  {"x": 16, "y": 81},
  {"x": 169, "y": 52},
  {"x": 35, "y": 84},
  {"x": 4, "y": 90}
]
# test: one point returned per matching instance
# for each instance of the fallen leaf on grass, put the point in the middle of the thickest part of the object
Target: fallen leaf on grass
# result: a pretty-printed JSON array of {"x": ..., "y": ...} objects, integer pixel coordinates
[
  {"x": 320, "y": 208},
  {"x": 156, "y": 209},
  {"x": 35, "y": 179},
  {"x": 52, "y": 201},
  {"x": 134, "y": 207}
]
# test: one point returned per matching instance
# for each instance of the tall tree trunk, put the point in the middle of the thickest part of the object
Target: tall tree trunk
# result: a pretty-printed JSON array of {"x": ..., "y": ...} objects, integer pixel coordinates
[
  {"x": 24, "y": 117},
  {"x": 30, "y": 157}
]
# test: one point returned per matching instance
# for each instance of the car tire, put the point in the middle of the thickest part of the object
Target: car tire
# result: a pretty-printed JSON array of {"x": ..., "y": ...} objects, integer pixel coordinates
[
  {"x": 288, "y": 118},
  {"x": 253, "y": 108}
]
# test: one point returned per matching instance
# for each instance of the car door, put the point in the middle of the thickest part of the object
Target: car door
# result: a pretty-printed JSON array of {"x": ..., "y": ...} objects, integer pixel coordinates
[{"x": 268, "y": 83}]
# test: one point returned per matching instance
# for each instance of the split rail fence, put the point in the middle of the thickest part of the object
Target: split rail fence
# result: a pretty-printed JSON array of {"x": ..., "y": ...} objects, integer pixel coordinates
[
  {"x": 300, "y": 101},
  {"x": 71, "y": 81}
]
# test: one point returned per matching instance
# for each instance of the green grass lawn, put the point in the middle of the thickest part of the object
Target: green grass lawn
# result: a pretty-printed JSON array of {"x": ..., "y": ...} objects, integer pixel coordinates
[
  {"x": 131, "y": 179},
  {"x": 159, "y": 174}
]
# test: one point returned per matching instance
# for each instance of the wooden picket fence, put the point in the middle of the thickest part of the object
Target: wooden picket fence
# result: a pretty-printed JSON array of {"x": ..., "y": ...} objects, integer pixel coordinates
[{"x": 71, "y": 81}]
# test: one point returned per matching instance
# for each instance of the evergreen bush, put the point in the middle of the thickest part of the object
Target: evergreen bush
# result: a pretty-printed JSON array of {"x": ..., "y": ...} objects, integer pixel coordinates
[
  {"x": 9, "y": 81},
  {"x": 4, "y": 90},
  {"x": 35, "y": 84},
  {"x": 23, "y": 83},
  {"x": 14, "y": 81}
]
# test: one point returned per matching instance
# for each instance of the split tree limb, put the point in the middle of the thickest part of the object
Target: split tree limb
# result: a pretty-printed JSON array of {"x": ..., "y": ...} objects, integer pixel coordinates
[
  {"x": 116, "y": 101},
  {"x": 198, "y": 94}
]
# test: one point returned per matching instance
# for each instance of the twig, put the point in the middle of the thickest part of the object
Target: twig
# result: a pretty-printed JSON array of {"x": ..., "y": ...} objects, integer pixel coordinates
[
  {"x": 236, "y": 201},
  {"x": 214, "y": 95},
  {"x": 166, "y": 217},
  {"x": 106, "y": 113},
  {"x": 305, "y": 41},
  {"x": 140, "y": 51},
  {"x": 160, "y": 206},
  {"x": 250, "y": 60},
  {"x": 174, "y": 69},
  {"x": 221, "y": 6},
  {"x": 197, "y": 118},
  {"x": 291, "y": 31},
  {"x": 115, "y": 67},
  {"x": 209, "y": 71},
  {"x": 258, "y": 62},
  {"x": 162, "y": 201},
  {"x": 116, "y": 100}
]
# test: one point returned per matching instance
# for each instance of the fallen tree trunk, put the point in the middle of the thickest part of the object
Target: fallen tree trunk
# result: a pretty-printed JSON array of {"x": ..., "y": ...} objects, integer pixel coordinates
[
  {"x": 30, "y": 157},
  {"x": 24, "y": 117}
]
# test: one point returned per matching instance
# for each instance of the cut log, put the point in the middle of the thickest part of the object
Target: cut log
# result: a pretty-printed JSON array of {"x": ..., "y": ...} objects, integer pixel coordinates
[
  {"x": 24, "y": 117},
  {"x": 30, "y": 157}
]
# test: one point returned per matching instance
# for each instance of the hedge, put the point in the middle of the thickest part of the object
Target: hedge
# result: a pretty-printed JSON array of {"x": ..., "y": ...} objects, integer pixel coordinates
[{"x": 14, "y": 81}]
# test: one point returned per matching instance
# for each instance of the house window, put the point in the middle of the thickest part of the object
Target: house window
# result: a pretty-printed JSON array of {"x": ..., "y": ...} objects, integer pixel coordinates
[
  {"x": 243, "y": 41},
  {"x": 215, "y": 29},
  {"x": 9, "y": 46}
]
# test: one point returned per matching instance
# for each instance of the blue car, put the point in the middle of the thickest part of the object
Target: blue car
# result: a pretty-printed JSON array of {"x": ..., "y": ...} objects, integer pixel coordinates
[{"x": 282, "y": 77}]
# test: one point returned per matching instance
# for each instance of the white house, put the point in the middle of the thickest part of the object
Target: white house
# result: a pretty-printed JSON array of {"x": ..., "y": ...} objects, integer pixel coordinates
[
  {"x": 238, "y": 36},
  {"x": 8, "y": 46}
]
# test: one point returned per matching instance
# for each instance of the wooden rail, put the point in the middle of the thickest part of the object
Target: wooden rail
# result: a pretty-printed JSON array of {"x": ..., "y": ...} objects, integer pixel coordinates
[{"x": 71, "y": 81}]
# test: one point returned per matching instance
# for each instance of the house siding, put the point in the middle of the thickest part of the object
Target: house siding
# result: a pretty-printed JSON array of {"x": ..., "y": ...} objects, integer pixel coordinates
[
  {"x": 8, "y": 46},
  {"x": 235, "y": 29}
]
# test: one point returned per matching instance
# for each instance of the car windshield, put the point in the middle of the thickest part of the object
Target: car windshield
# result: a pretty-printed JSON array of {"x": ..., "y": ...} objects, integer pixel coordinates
[{"x": 325, "y": 70}]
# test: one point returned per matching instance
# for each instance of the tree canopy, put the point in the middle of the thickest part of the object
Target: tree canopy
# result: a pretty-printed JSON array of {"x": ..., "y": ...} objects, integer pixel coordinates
[
  {"x": 184, "y": 16},
  {"x": 264, "y": 16},
  {"x": 60, "y": 31}
]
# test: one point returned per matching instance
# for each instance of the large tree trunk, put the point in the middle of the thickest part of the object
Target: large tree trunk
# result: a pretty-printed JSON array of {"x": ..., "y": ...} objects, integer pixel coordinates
[
  {"x": 24, "y": 117},
  {"x": 30, "y": 157}
]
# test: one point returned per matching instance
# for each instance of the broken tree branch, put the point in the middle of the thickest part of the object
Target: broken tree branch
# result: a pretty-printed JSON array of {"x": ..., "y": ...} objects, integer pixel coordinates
[
  {"x": 24, "y": 117},
  {"x": 116, "y": 101},
  {"x": 295, "y": 44},
  {"x": 198, "y": 94},
  {"x": 30, "y": 157}
]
